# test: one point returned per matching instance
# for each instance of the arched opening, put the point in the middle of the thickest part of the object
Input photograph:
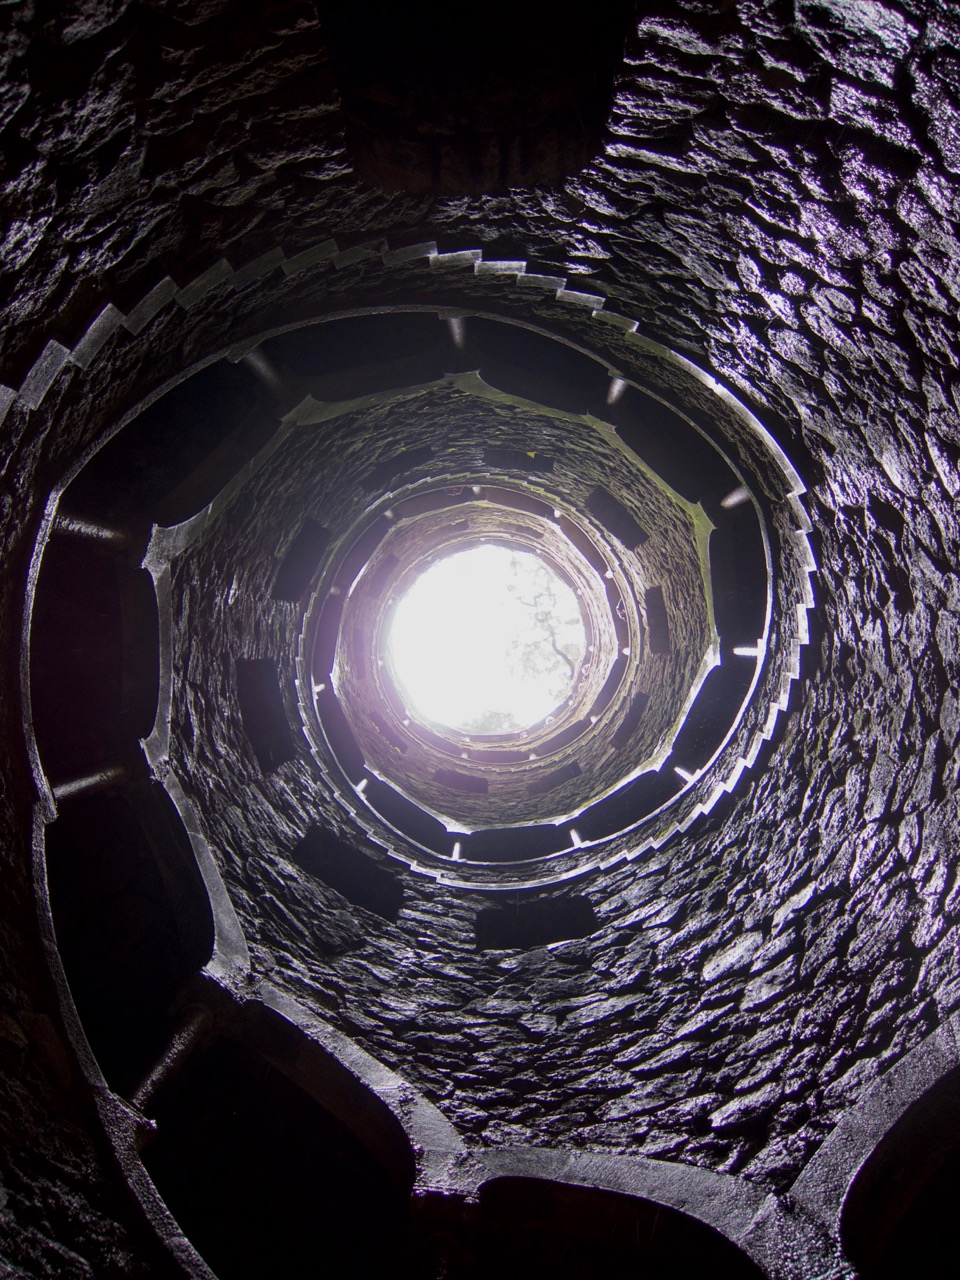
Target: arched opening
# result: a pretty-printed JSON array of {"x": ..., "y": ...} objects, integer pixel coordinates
[
  {"x": 132, "y": 921},
  {"x": 264, "y": 1181},
  {"x": 899, "y": 1214},
  {"x": 532, "y": 1229}
]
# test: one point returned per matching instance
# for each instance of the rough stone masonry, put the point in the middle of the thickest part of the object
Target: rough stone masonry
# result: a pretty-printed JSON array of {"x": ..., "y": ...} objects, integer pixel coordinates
[{"x": 778, "y": 198}]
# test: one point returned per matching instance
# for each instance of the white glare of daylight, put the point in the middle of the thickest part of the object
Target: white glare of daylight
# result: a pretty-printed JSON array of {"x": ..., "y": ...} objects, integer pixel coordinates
[
  {"x": 616, "y": 389},
  {"x": 487, "y": 640},
  {"x": 257, "y": 362},
  {"x": 735, "y": 498}
]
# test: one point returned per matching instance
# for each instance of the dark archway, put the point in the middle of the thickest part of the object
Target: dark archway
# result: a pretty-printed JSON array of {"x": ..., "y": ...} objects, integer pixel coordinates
[
  {"x": 899, "y": 1214},
  {"x": 550, "y": 1231}
]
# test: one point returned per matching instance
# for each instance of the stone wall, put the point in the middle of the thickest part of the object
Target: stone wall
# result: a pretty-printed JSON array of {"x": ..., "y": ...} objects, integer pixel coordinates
[{"x": 778, "y": 198}]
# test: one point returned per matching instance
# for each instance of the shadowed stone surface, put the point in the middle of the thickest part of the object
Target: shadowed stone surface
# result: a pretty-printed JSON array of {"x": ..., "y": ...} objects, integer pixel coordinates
[{"x": 779, "y": 197}]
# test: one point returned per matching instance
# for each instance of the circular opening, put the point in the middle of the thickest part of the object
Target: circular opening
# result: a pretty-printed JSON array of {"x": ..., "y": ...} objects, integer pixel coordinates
[{"x": 486, "y": 641}]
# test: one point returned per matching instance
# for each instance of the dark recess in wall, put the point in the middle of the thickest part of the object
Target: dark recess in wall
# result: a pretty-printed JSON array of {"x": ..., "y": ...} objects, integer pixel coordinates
[
  {"x": 262, "y": 711},
  {"x": 132, "y": 921},
  {"x": 328, "y": 633},
  {"x": 366, "y": 543},
  {"x": 505, "y": 459},
  {"x": 532, "y": 1230},
  {"x": 658, "y": 624},
  {"x": 616, "y": 811},
  {"x": 434, "y": 99},
  {"x": 672, "y": 448},
  {"x": 524, "y": 363},
  {"x": 921, "y": 1237},
  {"x": 711, "y": 715},
  {"x": 301, "y": 561},
  {"x": 457, "y": 781},
  {"x": 738, "y": 575},
  {"x": 173, "y": 459},
  {"x": 630, "y": 722},
  {"x": 900, "y": 1213},
  {"x": 541, "y": 785},
  {"x": 384, "y": 473},
  {"x": 265, "y": 1181},
  {"x": 535, "y": 923},
  {"x": 380, "y": 579},
  {"x": 350, "y": 872},
  {"x": 513, "y": 844},
  {"x": 339, "y": 734},
  {"x": 93, "y": 658},
  {"x": 356, "y": 342},
  {"x": 615, "y": 518},
  {"x": 407, "y": 816}
]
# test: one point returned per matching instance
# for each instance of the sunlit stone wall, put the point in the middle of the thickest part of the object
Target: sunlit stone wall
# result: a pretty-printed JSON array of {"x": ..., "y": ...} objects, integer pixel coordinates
[{"x": 778, "y": 198}]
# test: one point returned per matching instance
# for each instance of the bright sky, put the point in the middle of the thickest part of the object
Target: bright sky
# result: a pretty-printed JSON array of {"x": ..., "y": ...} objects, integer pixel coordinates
[{"x": 473, "y": 643}]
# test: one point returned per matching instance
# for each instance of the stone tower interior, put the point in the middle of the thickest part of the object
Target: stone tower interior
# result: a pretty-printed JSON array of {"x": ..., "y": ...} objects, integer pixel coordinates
[{"x": 299, "y": 299}]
